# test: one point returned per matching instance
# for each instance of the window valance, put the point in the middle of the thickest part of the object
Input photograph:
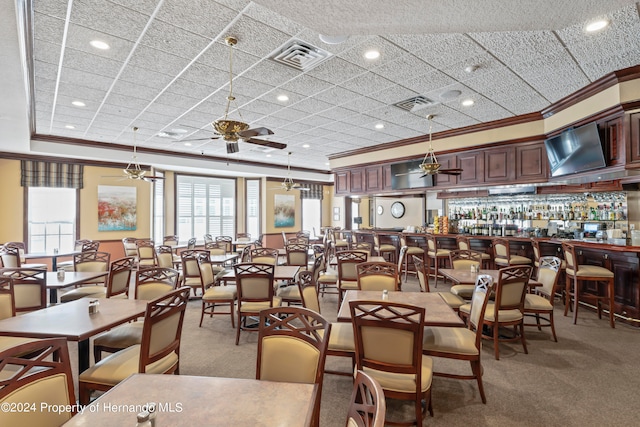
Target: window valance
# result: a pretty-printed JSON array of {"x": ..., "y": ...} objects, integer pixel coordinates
[
  {"x": 49, "y": 174},
  {"x": 315, "y": 191}
]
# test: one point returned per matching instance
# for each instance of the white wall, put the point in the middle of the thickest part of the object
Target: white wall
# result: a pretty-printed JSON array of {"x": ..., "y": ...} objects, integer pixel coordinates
[{"x": 414, "y": 212}]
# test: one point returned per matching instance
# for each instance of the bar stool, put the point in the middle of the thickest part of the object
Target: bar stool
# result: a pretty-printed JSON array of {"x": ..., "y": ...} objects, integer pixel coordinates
[
  {"x": 464, "y": 244},
  {"x": 578, "y": 273},
  {"x": 502, "y": 256},
  {"x": 410, "y": 252},
  {"x": 436, "y": 255}
]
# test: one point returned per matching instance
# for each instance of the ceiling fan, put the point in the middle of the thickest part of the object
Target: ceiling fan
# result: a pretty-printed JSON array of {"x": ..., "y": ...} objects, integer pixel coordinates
[
  {"x": 133, "y": 169},
  {"x": 233, "y": 130},
  {"x": 430, "y": 165},
  {"x": 288, "y": 184}
]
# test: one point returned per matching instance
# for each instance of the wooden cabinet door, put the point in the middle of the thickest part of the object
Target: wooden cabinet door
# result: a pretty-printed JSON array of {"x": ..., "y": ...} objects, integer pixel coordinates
[
  {"x": 387, "y": 181},
  {"x": 612, "y": 134},
  {"x": 342, "y": 182},
  {"x": 472, "y": 165},
  {"x": 531, "y": 162},
  {"x": 373, "y": 178},
  {"x": 633, "y": 145},
  {"x": 357, "y": 181},
  {"x": 499, "y": 165}
]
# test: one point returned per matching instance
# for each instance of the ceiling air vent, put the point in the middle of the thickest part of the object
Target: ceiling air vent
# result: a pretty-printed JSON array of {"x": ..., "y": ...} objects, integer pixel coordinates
[
  {"x": 416, "y": 103},
  {"x": 300, "y": 55}
]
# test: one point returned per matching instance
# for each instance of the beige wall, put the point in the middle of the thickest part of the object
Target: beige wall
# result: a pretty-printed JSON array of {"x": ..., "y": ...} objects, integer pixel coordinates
[
  {"x": 169, "y": 204},
  {"x": 11, "y": 212},
  {"x": 414, "y": 212}
]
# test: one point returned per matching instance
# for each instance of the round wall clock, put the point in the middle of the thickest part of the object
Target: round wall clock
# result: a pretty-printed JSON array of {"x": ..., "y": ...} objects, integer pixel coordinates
[
  {"x": 397, "y": 210},
  {"x": 380, "y": 210}
]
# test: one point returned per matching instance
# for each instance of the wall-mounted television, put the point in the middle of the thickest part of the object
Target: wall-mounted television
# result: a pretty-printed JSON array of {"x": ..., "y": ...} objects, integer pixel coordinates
[
  {"x": 407, "y": 175},
  {"x": 575, "y": 150}
]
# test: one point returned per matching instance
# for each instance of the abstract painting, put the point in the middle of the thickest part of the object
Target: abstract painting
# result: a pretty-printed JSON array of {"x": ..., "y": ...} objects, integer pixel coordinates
[
  {"x": 116, "y": 208},
  {"x": 284, "y": 210}
]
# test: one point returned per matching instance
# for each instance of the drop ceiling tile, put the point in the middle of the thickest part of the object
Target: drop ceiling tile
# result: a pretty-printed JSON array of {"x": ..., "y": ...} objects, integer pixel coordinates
[
  {"x": 85, "y": 79},
  {"x": 255, "y": 37},
  {"x": 271, "y": 73},
  {"x": 79, "y": 60},
  {"x": 145, "y": 77},
  {"x": 174, "y": 40},
  {"x": 337, "y": 113},
  {"x": 305, "y": 84},
  {"x": 394, "y": 94},
  {"x": 253, "y": 89},
  {"x": 183, "y": 87},
  {"x": 367, "y": 83},
  {"x": 517, "y": 46},
  {"x": 136, "y": 90},
  {"x": 402, "y": 68},
  {"x": 290, "y": 114},
  {"x": 336, "y": 70},
  {"x": 45, "y": 70},
  {"x": 217, "y": 56},
  {"x": 337, "y": 95},
  {"x": 524, "y": 104},
  {"x": 63, "y": 106},
  {"x": 113, "y": 18},
  {"x": 181, "y": 103},
  {"x": 54, "y": 9},
  {"x": 119, "y": 111},
  {"x": 452, "y": 49},
  {"x": 275, "y": 20},
  {"x": 363, "y": 104},
  {"x": 154, "y": 59},
  {"x": 317, "y": 120},
  {"x": 202, "y": 17},
  {"x": 388, "y": 52},
  {"x": 260, "y": 106},
  {"x": 428, "y": 82},
  {"x": 312, "y": 105},
  {"x": 297, "y": 127}
]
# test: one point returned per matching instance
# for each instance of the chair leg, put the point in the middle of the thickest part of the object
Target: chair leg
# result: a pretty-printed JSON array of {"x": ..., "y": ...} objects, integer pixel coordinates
[
  {"x": 522, "y": 338},
  {"x": 476, "y": 368},
  {"x": 231, "y": 307},
  {"x": 238, "y": 328},
  {"x": 84, "y": 394},
  {"x": 496, "y": 341},
  {"x": 610, "y": 292},
  {"x": 576, "y": 296},
  {"x": 553, "y": 326},
  {"x": 202, "y": 313},
  {"x": 567, "y": 294}
]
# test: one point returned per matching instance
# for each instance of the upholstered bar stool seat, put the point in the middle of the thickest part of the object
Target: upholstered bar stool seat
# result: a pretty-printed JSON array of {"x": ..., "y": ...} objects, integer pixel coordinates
[
  {"x": 513, "y": 260},
  {"x": 502, "y": 256}
]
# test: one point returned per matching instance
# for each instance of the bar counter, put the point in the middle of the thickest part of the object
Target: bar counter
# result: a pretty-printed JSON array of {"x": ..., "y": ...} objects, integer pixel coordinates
[{"x": 623, "y": 260}]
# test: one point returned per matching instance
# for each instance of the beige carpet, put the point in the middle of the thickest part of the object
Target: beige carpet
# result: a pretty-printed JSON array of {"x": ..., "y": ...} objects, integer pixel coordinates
[{"x": 590, "y": 377}]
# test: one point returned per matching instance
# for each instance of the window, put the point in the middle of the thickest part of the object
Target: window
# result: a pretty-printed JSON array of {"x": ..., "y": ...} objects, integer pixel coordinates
[
  {"x": 51, "y": 218},
  {"x": 158, "y": 208},
  {"x": 311, "y": 215},
  {"x": 252, "y": 207},
  {"x": 205, "y": 206},
  {"x": 356, "y": 220}
]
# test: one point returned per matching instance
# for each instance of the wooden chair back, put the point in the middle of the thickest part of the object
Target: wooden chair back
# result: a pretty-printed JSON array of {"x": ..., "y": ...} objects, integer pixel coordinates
[
  {"x": 463, "y": 243},
  {"x": 347, "y": 261},
  {"x": 7, "y": 299},
  {"x": 216, "y": 248},
  {"x": 377, "y": 276},
  {"x": 421, "y": 272},
  {"x": 227, "y": 241},
  {"x": 368, "y": 407},
  {"x": 171, "y": 240},
  {"x": 93, "y": 261},
  {"x": 90, "y": 246},
  {"x": 146, "y": 253},
  {"x": 152, "y": 283},
  {"x": 164, "y": 256},
  {"x": 308, "y": 291},
  {"x": 297, "y": 254},
  {"x": 511, "y": 288},
  {"x": 130, "y": 248},
  {"x": 363, "y": 247},
  {"x": 37, "y": 372},
  {"x": 254, "y": 282},
  {"x": 119, "y": 277},
  {"x": 29, "y": 287},
  {"x": 264, "y": 255},
  {"x": 208, "y": 238},
  {"x": 463, "y": 259},
  {"x": 548, "y": 273}
]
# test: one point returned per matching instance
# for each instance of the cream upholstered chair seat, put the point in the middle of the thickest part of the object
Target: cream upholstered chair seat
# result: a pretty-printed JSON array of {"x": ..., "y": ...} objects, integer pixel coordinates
[
  {"x": 414, "y": 250},
  {"x": 462, "y": 291},
  {"x": 403, "y": 382},
  {"x": 349, "y": 284},
  {"x": 220, "y": 292},
  {"x": 454, "y": 301},
  {"x": 96, "y": 291},
  {"x": 439, "y": 252},
  {"x": 450, "y": 340},
  {"x": 536, "y": 302},
  {"x": 591, "y": 271},
  {"x": 8, "y": 342},
  {"x": 250, "y": 306},
  {"x": 118, "y": 366},
  {"x": 121, "y": 337},
  {"x": 289, "y": 293},
  {"x": 341, "y": 337},
  {"x": 504, "y": 315}
]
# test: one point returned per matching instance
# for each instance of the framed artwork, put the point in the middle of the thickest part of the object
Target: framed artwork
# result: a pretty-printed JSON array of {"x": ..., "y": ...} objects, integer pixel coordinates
[
  {"x": 116, "y": 208},
  {"x": 336, "y": 214},
  {"x": 284, "y": 210}
]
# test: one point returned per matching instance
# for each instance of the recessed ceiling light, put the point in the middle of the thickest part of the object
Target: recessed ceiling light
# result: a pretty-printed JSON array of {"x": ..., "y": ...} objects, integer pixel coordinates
[
  {"x": 79, "y": 103},
  {"x": 178, "y": 130},
  {"x": 268, "y": 155},
  {"x": 70, "y": 127},
  {"x": 327, "y": 164},
  {"x": 471, "y": 68},
  {"x": 372, "y": 54},
  {"x": 305, "y": 146},
  {"x": 450, "y": 94},
  {"x": 98, "y": 44},
  {"x": 379, "y": 125},
  {"x": 467, "y": 102},
  {"x": 283, "y": 98},
  {"x": 596, "y": 25},
  {"x": 332, "y": 39},
  {"x": 188, "y": 144}
]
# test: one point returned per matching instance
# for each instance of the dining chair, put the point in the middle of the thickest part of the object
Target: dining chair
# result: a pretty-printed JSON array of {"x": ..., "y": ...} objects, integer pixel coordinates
[
  {"x": 388, "y": 339},
  {"x": 37, "y": 373},
  {"x": 388, "y": 245},
  {"x": 577, "y": 274},
  {"x": 242, "y": 237},
  {"x": 502, "y": 256},
  {"x": 227, "y": 241},
  {"x": 402, "y": 255},
  {"x": 292, "y": 347},
  {"x": 81, "y": 245},
  {"x": 191, "y": 275},
  {"x": 90, "y": 262},
  {"x": 347, "y": 271},
  {"x": 214, "y": 294},
  {"x": 365, "y": 247},
  {"x": 191, "y": 243},
  {"x": 368, "y": 407},
  {"x": 454, "y": 301},
  {"x": 326, "y": 279},
  {"x": 377, "y": 276},
  {"x": 7, "y": 310},
  {"x": 436, "y": 256},
  {"x": 151, "y": 283},
  {"x": 508, "y": 307},
  {"x": 264, "y": 256},
  {"x": 464, "y": 259},
  {"x": 146, "y": 253},
  {"x": 171, "y": 240},
  {"x": 157, "y": 353},
  {"x": 12, "y": 256},
  {"x": 297, "y": 254},
  {"x": 29, "y": 288},
  {"x": 165, "y": 258},
  {"x": 412, "y": 249},
  {"x": 463, "y": 343},
  {"x": 464, "y": 243},
  {"x": 540, "y": 302},
  {"x": 216, "y": 248},
  {"x": 208, "y": 238},
  {"x": 117, "y": 283},
  {"x": 341, "y": 342},
  {"x": 130, "y": 248},
  {"x": 254, "y": 283}
]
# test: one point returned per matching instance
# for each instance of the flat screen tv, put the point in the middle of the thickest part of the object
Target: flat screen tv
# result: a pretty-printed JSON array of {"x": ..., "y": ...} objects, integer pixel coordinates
[
  {"x": 575, "y": 150},
  {"x": 407, "y": 175}
]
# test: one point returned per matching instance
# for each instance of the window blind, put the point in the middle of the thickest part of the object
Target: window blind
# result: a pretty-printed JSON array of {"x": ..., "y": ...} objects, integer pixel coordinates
[{"x": 49, "y": 174}]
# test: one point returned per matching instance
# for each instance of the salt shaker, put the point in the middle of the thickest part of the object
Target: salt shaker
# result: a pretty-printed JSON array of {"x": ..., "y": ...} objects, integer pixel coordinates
[
  {"x": 60, "y": 274},
  {"x": 143, "y": 419},
  {"x": 385, "y": 295}
]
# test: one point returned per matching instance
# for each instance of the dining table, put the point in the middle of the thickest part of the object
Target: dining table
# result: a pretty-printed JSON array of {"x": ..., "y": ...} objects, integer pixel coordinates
[
  {"x": 224, "y": 259},
  {"x": 53, "y": 255},
  {"x": 186, "y": 401},
  {"x": 73, "y": 321},
  {"x": 71, "y": 278},
  {"x": 437, "y": 311}
]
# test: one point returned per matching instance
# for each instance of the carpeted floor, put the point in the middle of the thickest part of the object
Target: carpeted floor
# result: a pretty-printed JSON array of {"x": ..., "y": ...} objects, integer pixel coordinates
[{"x": 590, "y": 377}]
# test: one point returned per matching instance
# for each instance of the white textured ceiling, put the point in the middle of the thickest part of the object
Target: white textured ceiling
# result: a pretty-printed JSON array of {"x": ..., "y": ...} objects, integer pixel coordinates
[{"x": 167, "y": 68}]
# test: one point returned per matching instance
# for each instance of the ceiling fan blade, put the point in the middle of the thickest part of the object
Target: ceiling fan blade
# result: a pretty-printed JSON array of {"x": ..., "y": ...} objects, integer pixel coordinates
[
  {"x": 232, "y": 147},
  {"x": 303, "y": 189},
  {"x": 264, "y": 143},
  {"x": 152, "y": 178},
  {"x": 200, "y": 139},
  {"x": 450, "y": 171},
  {"x": 261, "y": 131},
  {"x": 408, "y": 173}
]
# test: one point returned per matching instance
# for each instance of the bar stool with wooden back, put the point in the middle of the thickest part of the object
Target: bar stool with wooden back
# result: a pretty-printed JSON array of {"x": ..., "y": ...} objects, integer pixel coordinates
[
  {"x": 388, "y": 245},
  {"x": 435, "y": 255},
  {"x": 502, "y": 256},
  {"x": 576, "y": 274},
  {"x": 414, "y": 249},
  {"x": 464, "y": 243}
]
